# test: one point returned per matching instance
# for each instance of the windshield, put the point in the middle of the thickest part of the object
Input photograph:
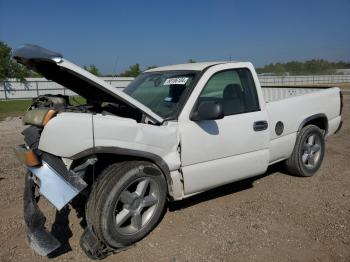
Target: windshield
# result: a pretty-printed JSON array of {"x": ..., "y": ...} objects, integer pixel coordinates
[{"x": 162, "y": 92}]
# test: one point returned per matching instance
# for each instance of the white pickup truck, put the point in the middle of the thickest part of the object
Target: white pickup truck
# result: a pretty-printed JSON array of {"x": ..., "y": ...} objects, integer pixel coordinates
[{"x": 175, "y": 131}]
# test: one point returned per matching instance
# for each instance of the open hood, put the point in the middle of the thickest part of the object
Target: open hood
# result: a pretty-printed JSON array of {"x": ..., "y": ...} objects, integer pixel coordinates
[{"x": 54, "y": 67}]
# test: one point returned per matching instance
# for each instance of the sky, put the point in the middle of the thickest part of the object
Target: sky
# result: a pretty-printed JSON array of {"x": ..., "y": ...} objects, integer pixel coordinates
[{"x": 116, "y": 34}]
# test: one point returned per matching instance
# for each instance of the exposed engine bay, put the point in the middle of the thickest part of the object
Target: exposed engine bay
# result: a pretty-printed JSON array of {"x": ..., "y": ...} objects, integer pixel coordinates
[{"x": 63, "y": 103}]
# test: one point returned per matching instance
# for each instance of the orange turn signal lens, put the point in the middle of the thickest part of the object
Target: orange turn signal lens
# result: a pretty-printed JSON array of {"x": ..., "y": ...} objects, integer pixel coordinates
[
  {"x": 31, "y": 158},
  {"x": 50, "y": 114}
]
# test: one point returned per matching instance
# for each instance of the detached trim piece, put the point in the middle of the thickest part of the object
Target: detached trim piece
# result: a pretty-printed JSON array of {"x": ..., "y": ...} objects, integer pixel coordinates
[
  {"x": 39, "y": 239},
  {"x": 57, "y": 165},
  {"x": 53, "y": 186}
]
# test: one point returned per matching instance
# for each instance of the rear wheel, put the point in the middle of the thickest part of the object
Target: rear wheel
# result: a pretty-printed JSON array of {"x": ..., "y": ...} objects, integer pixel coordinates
[
  {"x": 308, "y": 152},
  {"x": 127, "y": 202}
]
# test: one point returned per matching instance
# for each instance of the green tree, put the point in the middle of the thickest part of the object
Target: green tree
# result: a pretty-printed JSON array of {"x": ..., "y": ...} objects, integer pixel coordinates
[
  {"x": 151, "y": 67},
  {"x": 191, "y": 61},
  {"x": 133, "y": 71},
  {"x": 93, "y": 70},
  {"x": 9, "y": 68}
]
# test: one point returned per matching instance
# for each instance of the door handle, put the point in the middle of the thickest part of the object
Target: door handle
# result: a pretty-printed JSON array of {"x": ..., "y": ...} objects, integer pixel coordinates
[{"x": 260, "y": 125}]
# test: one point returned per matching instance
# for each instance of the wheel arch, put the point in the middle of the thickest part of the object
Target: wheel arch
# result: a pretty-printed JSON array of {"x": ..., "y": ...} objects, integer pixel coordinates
[
  {"x": 108, "y": 153},
  {"x": 319, "y": 120}
]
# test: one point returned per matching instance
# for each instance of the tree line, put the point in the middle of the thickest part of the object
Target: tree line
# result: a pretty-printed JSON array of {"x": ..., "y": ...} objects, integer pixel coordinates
[
  {"x": 310, "y": 67},
  {"x": 133, "y": 71}
]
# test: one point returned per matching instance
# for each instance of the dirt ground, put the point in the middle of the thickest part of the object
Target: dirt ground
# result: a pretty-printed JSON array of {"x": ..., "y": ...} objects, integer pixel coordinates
[{"x": 273, "y": 217}]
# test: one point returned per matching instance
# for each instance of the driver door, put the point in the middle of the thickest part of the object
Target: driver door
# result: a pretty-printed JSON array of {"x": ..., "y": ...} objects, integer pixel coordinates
[{"x": 217, "y": 152}]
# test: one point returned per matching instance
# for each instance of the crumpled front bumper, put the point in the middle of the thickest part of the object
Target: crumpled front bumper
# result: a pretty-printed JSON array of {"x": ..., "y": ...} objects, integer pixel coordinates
[
  {"x": 39, "y": 239},
  {"x": 56, "y": 184}
]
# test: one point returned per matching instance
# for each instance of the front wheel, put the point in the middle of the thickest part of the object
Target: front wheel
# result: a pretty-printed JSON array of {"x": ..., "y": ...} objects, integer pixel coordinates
[
  {"x": 308, "y": 152},
  {"x": 127, "y": 203}
]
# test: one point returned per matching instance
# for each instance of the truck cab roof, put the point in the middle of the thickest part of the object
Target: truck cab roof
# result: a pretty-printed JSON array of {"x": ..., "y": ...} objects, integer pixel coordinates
[{"x": 189, "y": 66}]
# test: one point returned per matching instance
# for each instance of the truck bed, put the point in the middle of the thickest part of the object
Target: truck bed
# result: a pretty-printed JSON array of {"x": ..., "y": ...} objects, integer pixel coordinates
[
  {"x": 291, "y": 106},
  {"x": 278, "y": 93}
]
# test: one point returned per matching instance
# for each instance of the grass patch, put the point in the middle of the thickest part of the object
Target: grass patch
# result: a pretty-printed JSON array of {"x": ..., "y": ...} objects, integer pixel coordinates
[
  {"x": 13, "y": 107},
  {"x": 19, "y": 107}
]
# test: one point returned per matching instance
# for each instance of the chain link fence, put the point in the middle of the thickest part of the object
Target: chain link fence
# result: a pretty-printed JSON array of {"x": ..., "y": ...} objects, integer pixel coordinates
[{"x": 33, "y": 87}]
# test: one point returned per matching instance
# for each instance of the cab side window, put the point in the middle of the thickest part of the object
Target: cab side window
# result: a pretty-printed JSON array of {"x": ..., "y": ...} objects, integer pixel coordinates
[{"x": 234, "y": 89}]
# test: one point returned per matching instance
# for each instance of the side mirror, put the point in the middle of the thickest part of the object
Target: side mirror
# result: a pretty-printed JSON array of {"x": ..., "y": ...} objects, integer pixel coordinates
[{"x": 208, "y": 110}]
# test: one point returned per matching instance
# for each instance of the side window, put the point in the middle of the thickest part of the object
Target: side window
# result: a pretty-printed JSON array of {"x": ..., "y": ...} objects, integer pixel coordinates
[{"x": 234, "y": 89}]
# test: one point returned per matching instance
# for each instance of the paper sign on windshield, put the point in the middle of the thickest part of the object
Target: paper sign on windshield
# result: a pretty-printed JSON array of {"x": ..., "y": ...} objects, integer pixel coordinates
[{"x": 175, "y": 81}]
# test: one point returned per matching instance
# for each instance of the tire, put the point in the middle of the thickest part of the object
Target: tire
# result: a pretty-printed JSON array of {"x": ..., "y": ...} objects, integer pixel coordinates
[
  {"x": 96, "y": 187},
  {"x": 126, "y": 202},
  {"x": 308, "y": 152}
]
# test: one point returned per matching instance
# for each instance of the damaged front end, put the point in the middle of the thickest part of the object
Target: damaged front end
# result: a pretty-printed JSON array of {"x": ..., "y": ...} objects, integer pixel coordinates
[{"x": 47, "y": 175}]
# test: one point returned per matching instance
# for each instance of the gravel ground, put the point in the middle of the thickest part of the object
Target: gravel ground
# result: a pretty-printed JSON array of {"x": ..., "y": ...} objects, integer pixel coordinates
[{"x": 273, "y": 217}]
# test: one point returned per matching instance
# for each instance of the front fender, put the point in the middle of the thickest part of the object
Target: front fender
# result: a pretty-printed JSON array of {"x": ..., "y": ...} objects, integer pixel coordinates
[{"x": 67, "y": 134}]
